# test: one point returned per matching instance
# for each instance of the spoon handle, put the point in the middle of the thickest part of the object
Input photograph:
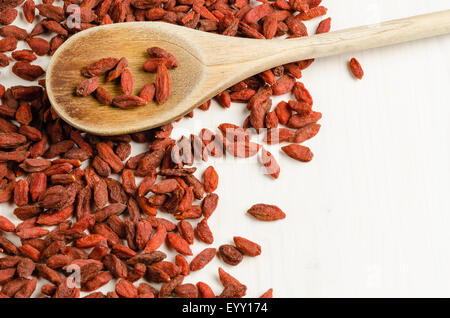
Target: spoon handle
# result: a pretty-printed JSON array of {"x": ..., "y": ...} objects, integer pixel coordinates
[{"x": 261, "y": 55}]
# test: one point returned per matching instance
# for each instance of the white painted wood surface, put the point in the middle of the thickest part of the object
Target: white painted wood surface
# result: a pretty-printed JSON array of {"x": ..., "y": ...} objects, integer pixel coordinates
[{"x": 370, "y": 215}]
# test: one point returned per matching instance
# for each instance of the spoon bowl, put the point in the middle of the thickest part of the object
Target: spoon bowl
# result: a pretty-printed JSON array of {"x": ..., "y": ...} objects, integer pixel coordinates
[
  {"x": 208, "y": 64},
  {"x": 86, "y": 113}
]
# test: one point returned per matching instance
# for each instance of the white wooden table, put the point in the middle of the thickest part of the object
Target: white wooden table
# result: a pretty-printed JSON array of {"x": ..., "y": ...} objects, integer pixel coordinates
[{"x": 370, "y": 215}]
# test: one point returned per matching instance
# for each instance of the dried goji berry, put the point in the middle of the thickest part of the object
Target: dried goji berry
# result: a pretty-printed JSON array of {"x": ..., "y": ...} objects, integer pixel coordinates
[
  {"x": 266, "y": 212},
  {"x": 202, "y": 259},
  {"x": 356, "y": 68}
]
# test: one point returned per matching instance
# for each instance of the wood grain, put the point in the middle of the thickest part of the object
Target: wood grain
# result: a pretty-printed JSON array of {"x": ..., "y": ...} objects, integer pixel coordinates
[{"x": 209, "y": 63}]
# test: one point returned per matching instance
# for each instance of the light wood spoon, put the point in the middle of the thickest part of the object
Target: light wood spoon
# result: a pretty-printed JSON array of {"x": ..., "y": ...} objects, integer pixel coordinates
[{"x": 208, "y": 64}]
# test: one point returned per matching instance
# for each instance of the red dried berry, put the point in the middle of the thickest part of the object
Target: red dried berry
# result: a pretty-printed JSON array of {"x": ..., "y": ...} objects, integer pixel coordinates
[
  {"x": 265, "y": 212},
  {"x": 356, "y": 68}
]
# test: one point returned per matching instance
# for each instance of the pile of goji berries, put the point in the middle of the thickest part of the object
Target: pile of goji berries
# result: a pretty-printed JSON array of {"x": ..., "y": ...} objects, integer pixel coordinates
[
  {"x": 160, "y": 61},
  {"x": 75, "y": 217}
]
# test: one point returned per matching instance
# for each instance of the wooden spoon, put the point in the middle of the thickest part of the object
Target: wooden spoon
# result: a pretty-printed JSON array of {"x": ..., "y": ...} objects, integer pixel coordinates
[{"x": 208, "y": 64}]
